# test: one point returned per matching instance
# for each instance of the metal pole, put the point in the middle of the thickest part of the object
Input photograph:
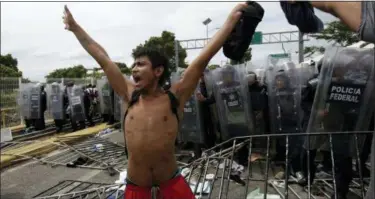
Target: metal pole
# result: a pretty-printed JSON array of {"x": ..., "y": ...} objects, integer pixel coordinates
[
  {"x": 300, "y": 47},
  {"x": 19, "y": 89}
]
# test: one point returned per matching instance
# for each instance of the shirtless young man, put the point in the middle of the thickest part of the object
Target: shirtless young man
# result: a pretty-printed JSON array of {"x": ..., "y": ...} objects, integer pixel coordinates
[{"x": 151, "y": 125}]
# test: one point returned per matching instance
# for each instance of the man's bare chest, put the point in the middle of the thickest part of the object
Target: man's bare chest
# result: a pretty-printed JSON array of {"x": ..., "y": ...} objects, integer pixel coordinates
[{"x": 150, "y": 118}]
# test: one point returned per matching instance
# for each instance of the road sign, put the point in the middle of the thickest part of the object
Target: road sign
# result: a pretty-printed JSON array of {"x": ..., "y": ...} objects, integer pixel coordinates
[
  {"x": 280, "y": 55},
  {"x": 257, "y": 38},
  {"x": 275, "y": 58}
]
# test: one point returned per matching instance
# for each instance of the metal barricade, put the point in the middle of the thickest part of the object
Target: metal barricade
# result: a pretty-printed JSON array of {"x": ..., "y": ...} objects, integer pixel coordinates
[
  {"x": 218, "y": 175},
  {"x": 81, "y": 189}
]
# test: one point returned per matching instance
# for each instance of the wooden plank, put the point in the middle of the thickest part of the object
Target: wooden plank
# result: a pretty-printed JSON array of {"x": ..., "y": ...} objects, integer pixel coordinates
[{"x": 42, "y": 147}]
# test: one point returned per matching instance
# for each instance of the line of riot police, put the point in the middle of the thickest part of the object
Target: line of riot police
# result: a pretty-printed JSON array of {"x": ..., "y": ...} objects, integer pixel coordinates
[
  {"x": 284, "y": 100},
  {"x": 70, "y": 103}
]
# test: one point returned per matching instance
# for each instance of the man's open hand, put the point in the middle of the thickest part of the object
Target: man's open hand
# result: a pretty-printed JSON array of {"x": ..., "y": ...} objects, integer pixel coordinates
[
  {"x": 70, "y": 23},
  {"x": 200, "y": 97}
]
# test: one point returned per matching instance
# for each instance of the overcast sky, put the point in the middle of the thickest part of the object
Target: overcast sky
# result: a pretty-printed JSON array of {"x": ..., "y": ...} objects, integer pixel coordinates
[{"x": 34, "y": 32}]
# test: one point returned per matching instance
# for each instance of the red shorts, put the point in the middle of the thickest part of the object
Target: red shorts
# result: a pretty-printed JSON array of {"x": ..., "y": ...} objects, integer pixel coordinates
[{"x": 176, "y": 188}]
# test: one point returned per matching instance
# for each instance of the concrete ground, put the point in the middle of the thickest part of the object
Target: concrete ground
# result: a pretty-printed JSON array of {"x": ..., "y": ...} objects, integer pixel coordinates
[{"x": 31, "y": 178}]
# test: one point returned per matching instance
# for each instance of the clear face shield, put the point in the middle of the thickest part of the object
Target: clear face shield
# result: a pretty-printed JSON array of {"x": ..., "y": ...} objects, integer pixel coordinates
[
  {"x": 280, "y": 83},
  {"x": 227, "y": 77}
]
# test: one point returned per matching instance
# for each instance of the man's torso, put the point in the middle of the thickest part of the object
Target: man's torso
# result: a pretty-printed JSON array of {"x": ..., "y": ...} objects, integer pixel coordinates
[{"x": 150, "y": 133}]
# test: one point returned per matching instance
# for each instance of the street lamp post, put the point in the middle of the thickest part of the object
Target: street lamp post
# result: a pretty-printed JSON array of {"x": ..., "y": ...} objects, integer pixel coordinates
[{"x": 206, "y": 22}]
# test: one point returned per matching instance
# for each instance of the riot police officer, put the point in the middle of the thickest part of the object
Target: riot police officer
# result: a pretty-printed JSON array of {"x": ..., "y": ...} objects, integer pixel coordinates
[
  {"x": 56, "y": 104},
  {"x": 39, "y": 122},
  {"x": 233, "y": 106},
  {"x": 88, "y": 101},
  {"x": 284, "y": 96},
  {"x": 204, "y": 107},
  {"x": 75, "y": 108},
  {"x": 346, "y": 107},
  {"x": 259, "y": 104},
  {"x": 308, "y": 94}
]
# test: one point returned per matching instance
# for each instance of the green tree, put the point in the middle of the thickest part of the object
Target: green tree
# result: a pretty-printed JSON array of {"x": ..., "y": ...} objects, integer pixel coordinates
[
  {"x": 247, "y": 57},
  {"x": 166, "y": 43},
  {"x": 309, "y": 50},
  {"x": 339, "y": 33},
  {"x": 77, "y": 71},
  {"x": 9, "y": 72},
  {"x": 8, "y": 66},
  {"x": 312, "y": 49},
  {"x": 124, "y": 68},
  {"x": 96, "y": 73},
  {"x": 212, "y": 66},
  {"x": 9, "y": 61},
  {"x": 336, "y": 32}
]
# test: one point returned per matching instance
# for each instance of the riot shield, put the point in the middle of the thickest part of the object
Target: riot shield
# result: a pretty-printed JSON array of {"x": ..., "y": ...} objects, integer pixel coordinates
[
  {"x": 35, "y": 101},
  {"x": 24, "y": 100},
  {"x": 307, "y": 71},
  {"x": 232, "y": 101},
  {"x": 343, "y": 98},
  {"x": 118, "y": 108},
  {"x": 191, "y": 123},
  {"x": 284, "y": 97},
  {"x": 104, "y": 91},
  {"x": 77, "y": 109},
  {"x": 208, "y": 82},
  {"x": 55, "y": 99},
  {"x": 119, "y": 105},
  {"x": 258, "y": 98}
]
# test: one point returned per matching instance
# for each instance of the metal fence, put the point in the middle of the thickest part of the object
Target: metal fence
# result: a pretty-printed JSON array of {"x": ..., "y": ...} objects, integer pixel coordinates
[
  {"x": 9, "y": 91},
  {"x": 217, "y": 175},
  {"x": 10, "y": 114},
  {"x": 81, "y": 189}
]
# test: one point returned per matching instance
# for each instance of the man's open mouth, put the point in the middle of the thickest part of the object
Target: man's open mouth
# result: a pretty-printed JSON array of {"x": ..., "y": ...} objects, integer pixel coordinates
[{"x": 136, "y": 79}]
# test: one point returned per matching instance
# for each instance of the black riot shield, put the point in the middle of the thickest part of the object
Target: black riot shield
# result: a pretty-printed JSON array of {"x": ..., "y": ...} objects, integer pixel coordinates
[
  {"x": 232, "y": 101},
  {"x": 343, "y": 99},
  {"x": 55, "y": 101},
  {"x": 191, "y": 124},
  {"x": 35, "y": 101},
  {"x": 77, "y": 109},
  {"x": 104, "y": 91}
]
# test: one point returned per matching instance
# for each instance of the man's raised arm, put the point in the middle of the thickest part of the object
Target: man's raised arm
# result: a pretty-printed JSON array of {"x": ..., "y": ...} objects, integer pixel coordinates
[
  {"x": 186, "y": 86},
  {"x": 119, "y": 83},
  {"x": 357, "y": 15}
]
